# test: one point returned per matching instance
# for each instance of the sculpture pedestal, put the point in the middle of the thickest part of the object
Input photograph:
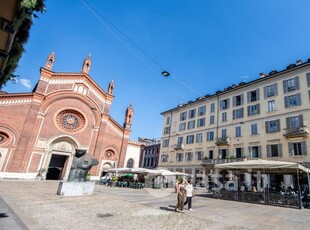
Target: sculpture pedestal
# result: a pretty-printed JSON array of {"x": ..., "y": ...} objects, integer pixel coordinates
[{"x": 75, "y": 188}]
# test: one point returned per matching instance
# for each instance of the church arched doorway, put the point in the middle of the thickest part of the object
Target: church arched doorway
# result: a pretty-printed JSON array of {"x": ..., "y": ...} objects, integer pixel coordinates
[
  {"x": 105, "y": 167},
  {"x": 60, "y": 158}
]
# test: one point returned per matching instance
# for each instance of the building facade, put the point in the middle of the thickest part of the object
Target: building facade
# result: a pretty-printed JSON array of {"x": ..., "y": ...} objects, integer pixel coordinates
[
  {"x": 150, "y": 153},
  {"x": 267, "y": 118},
  {"x": 41, "y": 130},
  {"x": 133, "y": 154}
]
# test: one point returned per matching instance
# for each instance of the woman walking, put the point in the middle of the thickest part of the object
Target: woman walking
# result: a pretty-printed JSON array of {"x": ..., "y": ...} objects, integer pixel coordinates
[{"x": 181, "y": 195}]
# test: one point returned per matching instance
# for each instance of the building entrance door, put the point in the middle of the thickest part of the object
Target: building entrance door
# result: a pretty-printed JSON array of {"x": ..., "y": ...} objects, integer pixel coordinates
[{"x": 56, "y": 167}]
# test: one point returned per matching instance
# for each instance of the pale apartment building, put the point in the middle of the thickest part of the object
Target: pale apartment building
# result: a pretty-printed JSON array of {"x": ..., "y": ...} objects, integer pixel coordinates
[{"x": 266, "y": 118}]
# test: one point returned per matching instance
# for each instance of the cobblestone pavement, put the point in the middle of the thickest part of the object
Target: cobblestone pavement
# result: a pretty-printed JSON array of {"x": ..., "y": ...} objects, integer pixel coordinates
[{"x": 35, "y": 204}]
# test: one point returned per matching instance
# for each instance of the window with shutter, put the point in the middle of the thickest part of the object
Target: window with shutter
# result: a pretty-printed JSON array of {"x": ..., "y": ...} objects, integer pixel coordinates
[
  {"x": 297, "y": 83},
  {"x": 285, "y": 86},
  {"x": 259, "y": 151},
  {"x": 291, "y": 149},
  {"x": 279, "y": 150},
  {"x": 268, "y": 150},
  {"x": 304, "y": 148}
]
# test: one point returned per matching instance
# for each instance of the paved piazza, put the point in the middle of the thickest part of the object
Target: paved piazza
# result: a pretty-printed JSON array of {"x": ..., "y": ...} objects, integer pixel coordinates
[{"x": 35, "y": 205}]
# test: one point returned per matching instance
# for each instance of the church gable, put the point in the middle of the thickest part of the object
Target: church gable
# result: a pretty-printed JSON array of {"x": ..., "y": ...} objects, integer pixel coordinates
[{"x": 81, "y": 83}]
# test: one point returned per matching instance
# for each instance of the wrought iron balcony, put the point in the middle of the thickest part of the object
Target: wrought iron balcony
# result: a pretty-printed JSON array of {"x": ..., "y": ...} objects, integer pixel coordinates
[
  {"x": 222, "y": 141},
  {"x": 179, "y": 147},
  {"x": 296, "y": 132}
]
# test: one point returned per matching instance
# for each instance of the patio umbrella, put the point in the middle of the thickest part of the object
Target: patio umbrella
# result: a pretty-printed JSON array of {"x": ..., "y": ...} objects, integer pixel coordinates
[
  {"x": 161, "y": 172},
  {"x": 180, "y": 174},
  {"x": 140, "y": 170},
  {"x": 120, "y": 170}
]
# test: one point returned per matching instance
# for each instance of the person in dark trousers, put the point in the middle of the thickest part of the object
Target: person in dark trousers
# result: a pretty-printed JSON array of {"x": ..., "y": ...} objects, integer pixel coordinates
[{"x": 189, "y": 194}]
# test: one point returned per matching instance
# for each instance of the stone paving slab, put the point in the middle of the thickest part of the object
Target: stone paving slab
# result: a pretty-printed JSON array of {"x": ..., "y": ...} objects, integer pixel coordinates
[{"x": 124, "y": 208}]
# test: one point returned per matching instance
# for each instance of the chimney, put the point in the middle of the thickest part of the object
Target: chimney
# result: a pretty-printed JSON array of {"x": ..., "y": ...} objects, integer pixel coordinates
[
  {"x": 298, "y": 62},
  {"x": 262, "y": 75}
]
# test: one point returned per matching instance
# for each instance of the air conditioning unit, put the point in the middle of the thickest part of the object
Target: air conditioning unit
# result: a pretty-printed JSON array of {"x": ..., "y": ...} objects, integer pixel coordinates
[{"x": 303, "y": 129}]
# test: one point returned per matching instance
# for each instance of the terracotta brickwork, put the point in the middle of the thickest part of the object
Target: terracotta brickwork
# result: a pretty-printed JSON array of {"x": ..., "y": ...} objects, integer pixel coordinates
[{"x": 65, "y": 111}]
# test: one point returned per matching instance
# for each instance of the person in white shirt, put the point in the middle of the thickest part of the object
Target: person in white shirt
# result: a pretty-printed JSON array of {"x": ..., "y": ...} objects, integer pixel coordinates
[{"x": 189, "y": 194}]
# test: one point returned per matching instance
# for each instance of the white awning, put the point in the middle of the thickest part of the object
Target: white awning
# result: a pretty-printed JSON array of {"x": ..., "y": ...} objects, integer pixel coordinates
[{"x": 262, "y": 164}]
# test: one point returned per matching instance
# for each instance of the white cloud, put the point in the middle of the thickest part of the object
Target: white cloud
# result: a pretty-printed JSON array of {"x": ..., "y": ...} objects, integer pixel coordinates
[{"x": 26, "y": 83}]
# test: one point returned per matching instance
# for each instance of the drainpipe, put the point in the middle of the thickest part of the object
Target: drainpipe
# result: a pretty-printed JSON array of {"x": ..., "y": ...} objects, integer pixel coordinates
[
  {"x": 217, "y": 116},
  {"x": 169, "y": 133}
]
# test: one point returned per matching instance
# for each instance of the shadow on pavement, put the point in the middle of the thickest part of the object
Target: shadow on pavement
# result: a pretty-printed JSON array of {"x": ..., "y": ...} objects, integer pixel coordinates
[
  {"x": 168, "y": 209},
  {"x": 3, "y": 215}
]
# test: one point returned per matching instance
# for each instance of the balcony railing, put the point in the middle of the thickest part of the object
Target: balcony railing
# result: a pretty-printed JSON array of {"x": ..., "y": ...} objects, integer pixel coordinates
[
  {"x": 222, "y": 141},
  {"x": 220, "y": 161},
  {"x": 296, "y": 132},
  {"x": 179, "y": 147}
]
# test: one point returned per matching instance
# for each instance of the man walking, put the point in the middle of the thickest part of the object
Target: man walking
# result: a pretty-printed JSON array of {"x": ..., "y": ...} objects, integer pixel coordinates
[{"x": 189, "y": 194}]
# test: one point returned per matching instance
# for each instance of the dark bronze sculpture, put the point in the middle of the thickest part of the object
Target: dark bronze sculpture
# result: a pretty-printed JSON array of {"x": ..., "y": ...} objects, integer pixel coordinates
[{"x": 81, "y": 164}]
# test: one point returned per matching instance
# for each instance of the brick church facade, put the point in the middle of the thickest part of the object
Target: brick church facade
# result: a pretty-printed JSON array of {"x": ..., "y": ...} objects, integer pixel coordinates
[{"x": 66, "y": 111}]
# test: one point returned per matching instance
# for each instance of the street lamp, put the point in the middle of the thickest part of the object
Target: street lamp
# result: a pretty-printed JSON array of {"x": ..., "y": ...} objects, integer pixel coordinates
[{"x": 165, "y": 74}]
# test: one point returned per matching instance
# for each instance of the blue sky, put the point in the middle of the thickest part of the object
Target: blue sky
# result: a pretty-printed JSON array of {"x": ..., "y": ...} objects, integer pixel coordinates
[{"x": 206, "y": 44}]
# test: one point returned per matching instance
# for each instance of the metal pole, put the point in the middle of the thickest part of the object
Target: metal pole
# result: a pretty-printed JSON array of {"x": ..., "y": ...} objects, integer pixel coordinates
[
  {"x": 299, "y": 191},
  {"x": 308, "y": 183}
]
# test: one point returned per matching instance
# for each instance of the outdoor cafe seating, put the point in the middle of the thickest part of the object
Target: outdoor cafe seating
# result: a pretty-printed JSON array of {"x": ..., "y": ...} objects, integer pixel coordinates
[{"x": 296, "y": 196}]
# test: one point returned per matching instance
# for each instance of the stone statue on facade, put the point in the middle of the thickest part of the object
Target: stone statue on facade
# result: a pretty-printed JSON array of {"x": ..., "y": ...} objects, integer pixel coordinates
[{"x": 81, "y": 165}]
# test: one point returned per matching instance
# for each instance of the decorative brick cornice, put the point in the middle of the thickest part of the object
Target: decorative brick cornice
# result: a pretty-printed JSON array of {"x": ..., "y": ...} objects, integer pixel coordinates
[
  {"x": 64, "y": 78},
  {"x": 14, "y": 99},
  {"x": 135, "y": 142}
]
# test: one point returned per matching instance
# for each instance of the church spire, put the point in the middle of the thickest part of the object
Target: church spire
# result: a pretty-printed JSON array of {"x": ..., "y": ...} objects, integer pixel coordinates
[
  {"x": 86, "y": 65},
  {"x": 128, "y": 117},
  {"x": 111, "y": 87},
  {"x": 50, "y": 61}
]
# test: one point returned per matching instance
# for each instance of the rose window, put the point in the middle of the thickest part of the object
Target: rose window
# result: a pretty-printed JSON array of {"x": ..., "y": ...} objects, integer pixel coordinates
[
  {"x": 3, "y": 137},
  {"x": 109, "y": 154},
  {"x": 70, "y": 120}
]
